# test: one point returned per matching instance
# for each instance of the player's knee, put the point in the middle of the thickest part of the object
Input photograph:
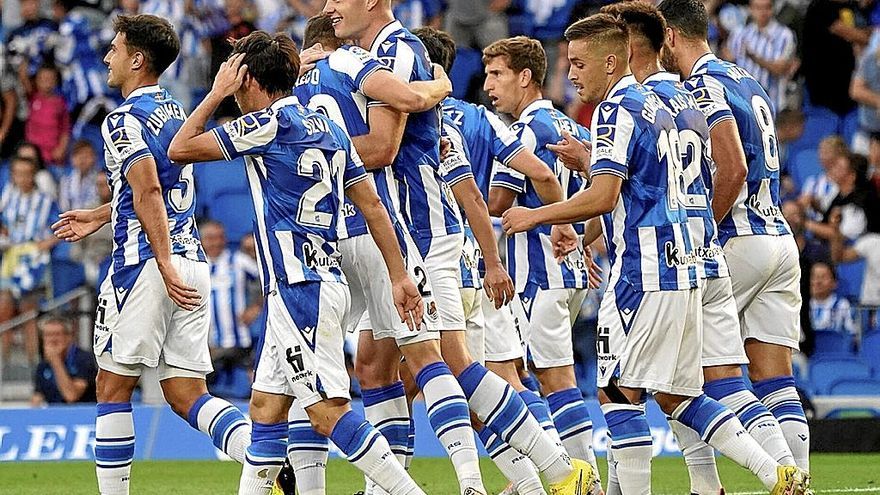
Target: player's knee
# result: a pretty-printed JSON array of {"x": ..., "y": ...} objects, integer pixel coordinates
[
  {"x": 556, "y": 379},
  {"x": 374, "y": 373},
  {"x": 325, "y": 414},
  {"x": 668, "y": 402},
  {"x": 110, "y": 387}
]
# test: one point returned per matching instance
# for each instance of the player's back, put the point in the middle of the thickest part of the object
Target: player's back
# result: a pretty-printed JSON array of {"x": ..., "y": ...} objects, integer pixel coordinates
[
  {"x": 487, "y": 138},
  {"x": 426, "y": 208},
  {"x": 646, "y": 233},
  {"x": 141, "y": 128},
  {"x": 724, "y": 90},
  {"x": 697, "y": 169},
  {"x": 298, "y": 164}
]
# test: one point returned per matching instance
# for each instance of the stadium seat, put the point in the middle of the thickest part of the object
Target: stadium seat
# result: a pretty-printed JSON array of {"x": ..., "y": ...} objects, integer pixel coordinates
[
  {"x": 66, "y": 276},
  {"x": 849, "y": 126},
  {"x": 853, "y": 386},
  {"x": 804, "y": 164},
  {"x": 468, "y": 64},
  {"x": 236, "y": 212},
  {"x": 849, "y": 279},
  {"x": 818, "y": 125},
  {"x": 825, "y": 372},
  {"x": 830, "y": 342},
  {"x": 870, "y": 351}
]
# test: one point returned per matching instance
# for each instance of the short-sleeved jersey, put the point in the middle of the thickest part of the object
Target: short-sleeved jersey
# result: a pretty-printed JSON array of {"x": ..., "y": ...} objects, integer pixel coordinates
[
  {"x": 725, "y": 91},
  {"x": 142, "y": 128},
  {"x": 426, "y": 208},
  {"x": 697, "y": 167},
  {"x": 334, "y": 88},
  {"x": 487, "y": 138},
  {"x": 649, "y": 244},
  {"x": 530, "y": 259},
  {"x": 26, "y": 217},
  {"x": 231, "y": 273},
  {"x": 454, "y": 169},
  {"x": 299, "y": 164}
]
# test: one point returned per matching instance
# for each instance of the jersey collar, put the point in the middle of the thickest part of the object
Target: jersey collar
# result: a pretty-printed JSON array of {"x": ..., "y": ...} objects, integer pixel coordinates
[
  {"x": 700, "y": 64},
  {"x": 536, "y": 105},
  {"x": 385, "y": 33},
  {"x": 284, "y": 102},
  {"x": 624, "y": 82},
  {"x": 153, "y": 88},
  {"x": 662, "y": 76}
]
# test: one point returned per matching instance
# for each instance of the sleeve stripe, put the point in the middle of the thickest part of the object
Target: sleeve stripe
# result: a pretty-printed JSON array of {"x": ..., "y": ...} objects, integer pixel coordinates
[
  {"x": 721, "y": 118},
  {"x": 609, "y": 171},
  {"x": 367, "y": 74},
  {"x": 507, "y": 185},
  {"x": 135, "y": 159},
  {"x": 220, "y": 143},
  {"x": 354, "y": 180},
  {"x": 460, "y": 178},
  {"x": 513, "y": 154}
]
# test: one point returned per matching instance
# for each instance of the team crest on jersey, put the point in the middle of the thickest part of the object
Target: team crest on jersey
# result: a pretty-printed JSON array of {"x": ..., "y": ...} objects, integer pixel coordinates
[
  {"x": 361, "y": 54},
  {"x": 247, "y": 124}
]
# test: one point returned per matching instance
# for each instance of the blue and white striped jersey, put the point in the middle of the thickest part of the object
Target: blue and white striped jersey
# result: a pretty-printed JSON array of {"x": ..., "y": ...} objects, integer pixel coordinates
[
  {"x": 26, "y": 217},
  {"x": 530, "y": 258},
  {"x": 646, "y": 233},
  {"x": 79, "y": 53},
  {"x": 725, "y": 91},
  {"x": 832, "y": 314},
  {"x": 487, "y": 137},
  {"x": 77, "y": 190},
  {"x": 299, "y": 164},
  {"x": 698, "y": 169},
  {"x": 333, "y": 88},
  {"x": 454, "y": 169},
  {"x": 231, "y": 272},
  {"x": 143, "y": 128},
  {"x": 426, "y": 208}
]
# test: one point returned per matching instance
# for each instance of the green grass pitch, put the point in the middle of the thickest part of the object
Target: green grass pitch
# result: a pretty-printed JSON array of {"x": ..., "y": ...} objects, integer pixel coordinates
[{"x": 832, "y": 473}]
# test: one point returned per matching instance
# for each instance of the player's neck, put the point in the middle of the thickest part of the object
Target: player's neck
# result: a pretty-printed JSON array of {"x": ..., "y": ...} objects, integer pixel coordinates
[
  {"x": 644, "y": 67},
  {"x": 372, "y": 31},
  {"x": 692, "y": 52},
  {"x": 614, "y": 79},
  {"x": 129, "y": 86},
  {"x": 531, "y": 95}
]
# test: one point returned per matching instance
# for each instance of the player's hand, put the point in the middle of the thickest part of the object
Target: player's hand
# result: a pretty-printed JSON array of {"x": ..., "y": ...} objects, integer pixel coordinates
[
  {"x": 445, "y": 148},
  {"x": 564, "y": 240},
  {"x": 309, "y": 57},
  {"x": 230, "y": 76},
  {"x": 517, "y": 219},
  {"x": 498, "y": 285},
  {"x": 594, "y": 271},
  {"x": 572, "y": 152},
  {"x": 408, "y": 302},
  {"x": 440, "y": 75},
  {"x": 183, "y": 295},
  {"x": 76, "y": 224}
]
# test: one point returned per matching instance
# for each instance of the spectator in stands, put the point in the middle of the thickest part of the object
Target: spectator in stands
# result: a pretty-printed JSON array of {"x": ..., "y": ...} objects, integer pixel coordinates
[
  {"x": 79, "y": 54},
  {"x": 819, "y": 191},
  {"x": 67, "y": 373},
  {"x": 867, "y": 247},
  {"x": 811, "y": 251},
  {"x": 25, "y": 239},
  {"x": 856, "y": 200},
  {"x": 476, "y": 23},
  {"x": 93, "y": 252},
  {"x": 414, "y": 14},
  {"x": 789, "y": 128},
  {"x": 9, "y": 134},
  {"x": 78, "y": 185},
  {"x": 31, "y": 45},
  {"x": 865, "y": 90},
  {"x": 48, "y": 123},
  {"x": 44, "y": 179},
  {"x": 828, "y": 311},
  {"x": 233, "y": 311},
  {"x": 831, "y": 35},
  {"x": 766, "y": 49}
]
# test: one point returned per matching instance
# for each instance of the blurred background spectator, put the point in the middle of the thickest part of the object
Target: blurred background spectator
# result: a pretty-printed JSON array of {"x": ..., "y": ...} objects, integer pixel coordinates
[{"x": 66, "y": 374}]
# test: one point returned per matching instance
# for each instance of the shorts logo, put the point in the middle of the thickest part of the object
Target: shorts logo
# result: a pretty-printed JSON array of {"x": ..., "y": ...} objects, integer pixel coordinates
[
  {"x": 432, "y": 311},
  {"x": 295, "y": 360},
  {"x": 603, "y": 338}
]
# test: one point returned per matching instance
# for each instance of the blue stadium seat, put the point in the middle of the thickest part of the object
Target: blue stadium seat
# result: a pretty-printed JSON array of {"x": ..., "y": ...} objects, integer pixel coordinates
[
  {"x": 825, "y": 372},
  {"x": 66, "y": 276},
  {"x": 235, "y": 211},
  {"x": 849, "y": 126},
  {"x": 804, "y": 164},
  {"x": 854, "y": 386},
  {"x": 849, "y": 279},
  {"x": 468, "y": 63},
  {"x": 830, "y": 342},
  {"x": 818, "y": 125},
  {"x": 870, "y": 351}
]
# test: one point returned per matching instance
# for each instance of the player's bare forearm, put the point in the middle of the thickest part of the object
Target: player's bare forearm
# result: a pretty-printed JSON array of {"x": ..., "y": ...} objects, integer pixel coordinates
[
  {"x": 592, "y": 231},
  {"x": 731, "y": 173},
  {"x": 543, "y": 179},
  {"x": 103, "y": 213},
  {"x": 468, "y": 195},
  {"x": 500, "y": 200},
  {"x": 379, "y": 148},
  {"x": 71, "y": 388},
  {"x": 590, "y": 203},
  {"x": 413, "y": 97},
  {"x": 364, "y": 197},
  {"x": 192, "y": 143}
]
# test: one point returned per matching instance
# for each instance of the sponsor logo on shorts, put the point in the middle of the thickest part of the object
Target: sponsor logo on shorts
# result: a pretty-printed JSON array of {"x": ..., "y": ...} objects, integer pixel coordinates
[{"x": 315, "y": 258}]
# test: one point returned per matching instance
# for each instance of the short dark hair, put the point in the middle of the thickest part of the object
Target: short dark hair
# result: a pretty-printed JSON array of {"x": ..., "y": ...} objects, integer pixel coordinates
[
  {"x": 273, "y": 61},
  {"x": 24, "y": 159},
  {"x": 689, "y": 17},
  {"x": 440, "y": 46},
  {"x": 600, "y": 28},
  {"x": 319, "y": 29},
  {"x": 641, "y": 18},
  {"x": 56, "y": 319},
  {"x": 151, "y": 35},
  {"x": 81, "y": 144},
  {"x": 521, "y": 53}
]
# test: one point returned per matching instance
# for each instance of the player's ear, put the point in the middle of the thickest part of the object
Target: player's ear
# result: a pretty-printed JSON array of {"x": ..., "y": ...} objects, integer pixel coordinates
[
  {"x": 371, "y": 4},
  {"x": 670, "y": 36},
  {"x": 138, "y": 61},
  {"x": 525, "y": 78},
  {"x": 611, "y": 63}
]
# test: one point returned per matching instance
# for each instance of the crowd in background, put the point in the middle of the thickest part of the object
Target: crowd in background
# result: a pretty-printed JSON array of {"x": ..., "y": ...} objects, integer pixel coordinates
[{"x": 818, "y": 60}]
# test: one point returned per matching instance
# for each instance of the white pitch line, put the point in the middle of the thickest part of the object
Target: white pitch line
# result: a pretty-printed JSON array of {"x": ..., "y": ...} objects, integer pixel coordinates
[{"x": 819, "y": 492}]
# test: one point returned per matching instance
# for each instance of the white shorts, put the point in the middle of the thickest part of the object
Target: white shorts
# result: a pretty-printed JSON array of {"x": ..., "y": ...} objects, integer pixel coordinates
[
  {"x": 504, "y": 340},
  {"x": 137, "y": 325},
  {"x": 444, "y": 271},
  {"x": 551, "y": 314},
  {"x": 651, "y": 340},
  {"x": 765, "y": 277},
  {"x": 372, "y": 307},
  {"x": 722, "y": 344},
  {"x": 302, "y": 355},
  {"x": 475, "y": 333}
]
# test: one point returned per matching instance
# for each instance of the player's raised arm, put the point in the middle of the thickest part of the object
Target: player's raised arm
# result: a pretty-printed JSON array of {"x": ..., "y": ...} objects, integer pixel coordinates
[
  {"x": 417, "y": 96},
  {"x": 406, "y": 295},
  {"x": 75, "y": 225},
  {"x": 379, "y": 148},
  {"x": 192, "y": 143}
]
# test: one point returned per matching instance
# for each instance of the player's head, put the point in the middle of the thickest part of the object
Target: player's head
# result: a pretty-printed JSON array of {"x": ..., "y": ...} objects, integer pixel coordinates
[
  {"x": 646, "y": 25},
  {"x": 23, "y": 172},
  {"x": 82, "y": 155},
  {"x": 598, "y": 50},
  {"x": 440, "y": 46},
  {"x": 56, "y": 332},
  {"x": 687, "y": 23},
  {"x": 319, "y": 29},
  {"x": 830, "y": 149},
  {"x": 144, "y": 46},
  {"x": 352, "y": 18},
  {"x": 823, "y": 280},
  {"x": 761, "y": 12},
  {"x": 213, "y": 237},
  {"x": 272, "y": 68},
  {"x": 515, "y": 70}
]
